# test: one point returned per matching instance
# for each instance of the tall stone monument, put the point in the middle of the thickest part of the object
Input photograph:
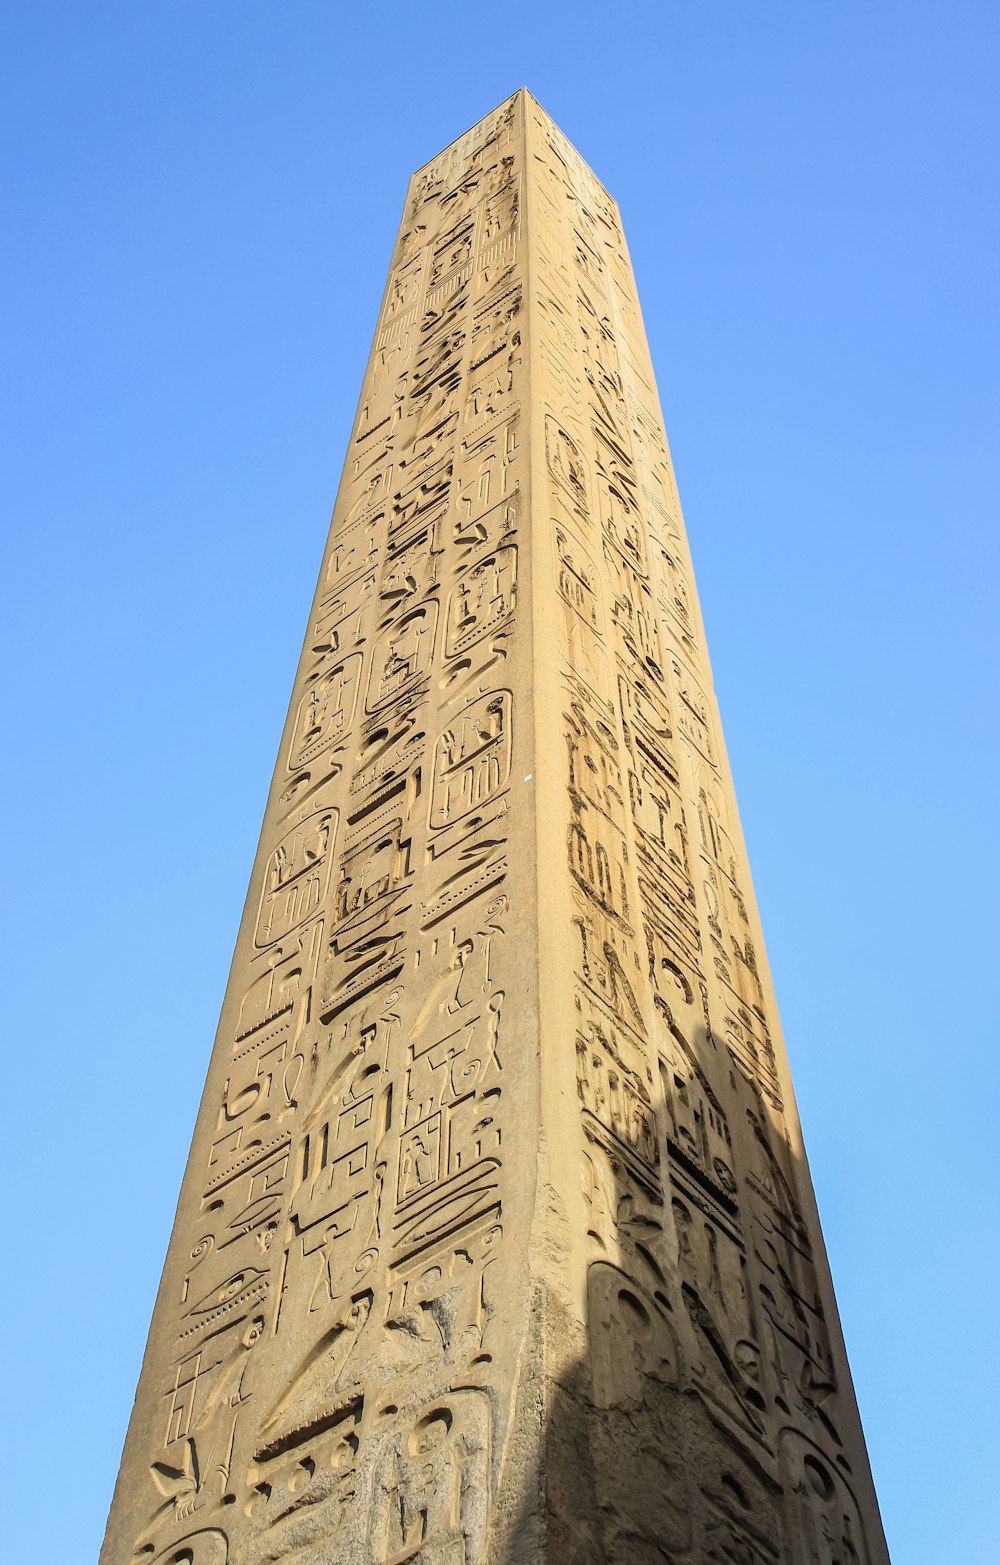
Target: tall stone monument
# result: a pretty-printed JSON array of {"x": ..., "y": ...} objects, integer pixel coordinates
[{"x": 497, "y": 1241}]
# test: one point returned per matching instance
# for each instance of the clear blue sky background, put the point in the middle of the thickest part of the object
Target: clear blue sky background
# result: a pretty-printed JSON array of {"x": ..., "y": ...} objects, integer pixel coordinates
[{"x": 199, "y": 204}]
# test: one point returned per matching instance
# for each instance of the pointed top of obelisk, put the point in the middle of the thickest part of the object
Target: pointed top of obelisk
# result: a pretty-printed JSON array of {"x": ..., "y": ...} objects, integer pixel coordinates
[{"x": 561, "y": 145}]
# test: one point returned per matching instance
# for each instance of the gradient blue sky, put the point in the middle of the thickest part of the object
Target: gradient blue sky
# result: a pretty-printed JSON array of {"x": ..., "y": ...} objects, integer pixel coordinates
[{"x": 200, "y": 200}]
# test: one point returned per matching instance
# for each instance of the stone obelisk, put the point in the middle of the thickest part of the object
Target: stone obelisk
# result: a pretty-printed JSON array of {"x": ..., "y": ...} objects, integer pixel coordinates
[{"x": 497, "y": 1241}]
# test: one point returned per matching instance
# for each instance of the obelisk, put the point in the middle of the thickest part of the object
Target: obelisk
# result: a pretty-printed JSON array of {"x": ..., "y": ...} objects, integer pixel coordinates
[{"x": 497, "y": 1241}]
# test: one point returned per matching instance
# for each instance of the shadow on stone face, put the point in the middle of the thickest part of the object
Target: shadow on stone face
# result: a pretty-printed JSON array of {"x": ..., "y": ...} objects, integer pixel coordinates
[
  {"x": 710, "y": 1416},
  {"x": 683, "y": 1396}
]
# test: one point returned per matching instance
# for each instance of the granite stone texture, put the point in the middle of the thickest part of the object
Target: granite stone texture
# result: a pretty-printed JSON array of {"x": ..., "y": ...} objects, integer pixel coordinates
[{"x": 497, "y": 1241}]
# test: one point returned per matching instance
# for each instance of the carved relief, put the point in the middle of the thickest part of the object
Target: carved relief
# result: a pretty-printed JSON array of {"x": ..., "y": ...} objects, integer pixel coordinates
[
  {"x": 433, "y": 1485},
  {"x": 633, "y": 1344},
  {"x": 487, "y": 476},
  {"x": 303, "y": 1488},
  {"x": 825, "y": 1523},
  {"x": 410, "y": 571},
  {"x": 212, "y": 1382},
  {"x": 674, "y": 593},
  {"x": 344, "y": 1369},
  {"x": 325, "y": 712},
  {"x": 482, "y": 600},
  {"x": 693, "y": 718},
  {"x": 566, "y": 465},
  {"x": 614, "y": 1090},
  {"x": 350, "y": 1114},
  {"x": 208, "y": 1546},
  {"x": 402, "y": 655},
  {"x": 297, "y": 875},
  {"x": 471, "y": 759},
  {"x": 578, "y": 581},
  {"x": 474, "y": 529},
  {"x": 372, "y": 871}
]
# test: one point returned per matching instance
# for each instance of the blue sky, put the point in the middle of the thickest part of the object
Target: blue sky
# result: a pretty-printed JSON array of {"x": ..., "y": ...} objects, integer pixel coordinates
[{"x": 200, "y": 200}]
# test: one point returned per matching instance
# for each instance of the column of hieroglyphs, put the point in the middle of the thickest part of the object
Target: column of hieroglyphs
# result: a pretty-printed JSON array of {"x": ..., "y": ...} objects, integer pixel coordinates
[
  {"x": 331, "y": 1365},
  {"x": 496, "y": 1241},
  {"x": 703, "y": 1263}
]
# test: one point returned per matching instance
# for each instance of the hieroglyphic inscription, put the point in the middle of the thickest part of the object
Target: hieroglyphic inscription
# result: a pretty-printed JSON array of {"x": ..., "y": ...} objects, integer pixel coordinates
[
  {"x": 688, "y": 1182},
  {"x": 325, "y": 1374},
  {"x": 353, "y": 1354}
]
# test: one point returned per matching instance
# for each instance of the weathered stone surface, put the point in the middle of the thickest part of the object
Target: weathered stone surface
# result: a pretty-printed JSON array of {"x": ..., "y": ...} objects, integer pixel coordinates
[{"x": 497, "y": 1241}]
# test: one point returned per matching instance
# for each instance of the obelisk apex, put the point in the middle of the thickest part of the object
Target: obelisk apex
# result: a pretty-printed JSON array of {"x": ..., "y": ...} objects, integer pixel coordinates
[{"x": 496, "y": 1241}]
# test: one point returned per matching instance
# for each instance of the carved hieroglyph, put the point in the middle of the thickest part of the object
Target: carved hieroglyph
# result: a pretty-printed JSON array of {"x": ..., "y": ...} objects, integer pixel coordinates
[{"x": 496, "y": 1241}]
